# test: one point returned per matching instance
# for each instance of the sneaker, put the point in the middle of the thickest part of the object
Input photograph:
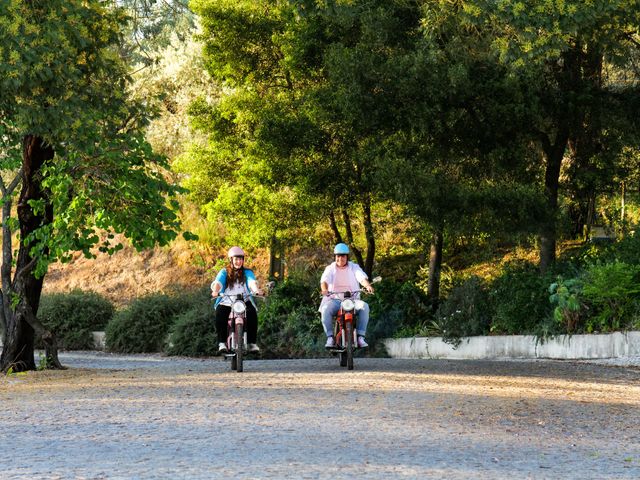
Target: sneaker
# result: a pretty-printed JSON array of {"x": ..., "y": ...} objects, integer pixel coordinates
[
  {"x": 222, "y": 348},
  {"x": 361, "y": 342},
  {"x": 252, "y": 347},
  {"x": 330, "y": 342}
]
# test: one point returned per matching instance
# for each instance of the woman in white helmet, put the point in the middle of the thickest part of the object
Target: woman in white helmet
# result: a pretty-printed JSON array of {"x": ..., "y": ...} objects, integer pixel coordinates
[
  {"x": 232, "y": 280},
  {"x": 338, "y": 277}
]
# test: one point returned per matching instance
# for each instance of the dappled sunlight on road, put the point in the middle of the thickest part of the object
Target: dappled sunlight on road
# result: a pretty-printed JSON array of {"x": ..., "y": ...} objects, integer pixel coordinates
[{"x": 176, "y": 418}]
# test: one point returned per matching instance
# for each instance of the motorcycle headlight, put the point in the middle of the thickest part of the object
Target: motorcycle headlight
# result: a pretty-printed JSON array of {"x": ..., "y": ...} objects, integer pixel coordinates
[
  {"x": 239, "y": 307},
  {"x": 359, "y": 304},
  {"x": 348, "y": 305}
]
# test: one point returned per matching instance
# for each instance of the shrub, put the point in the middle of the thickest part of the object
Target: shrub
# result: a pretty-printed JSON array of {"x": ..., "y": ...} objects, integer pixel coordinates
[
  {"x": 144, "y": 325},
  {"x": 289, "y": 322},
  {"x": 520, "y": 300},
  {"x": 569, "y": 309},
  {"x": 465, "y": 312},
  {"x": 73, "y": 316},
  {"x": 396, "y": 308},
  {"x": 193, "y": 332},
  {"x": 613, "y": 290},
  {"x": 290, "y": 327},
  {"x": 626, "y": 250}
]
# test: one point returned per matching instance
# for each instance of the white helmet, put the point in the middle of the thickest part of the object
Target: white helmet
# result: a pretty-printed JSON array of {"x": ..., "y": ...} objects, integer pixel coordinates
[{"x": 235, "y": 252}]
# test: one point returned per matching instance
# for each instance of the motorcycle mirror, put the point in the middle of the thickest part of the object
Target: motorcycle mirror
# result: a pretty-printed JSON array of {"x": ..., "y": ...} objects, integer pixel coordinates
[{"x": 377, "y": 279}]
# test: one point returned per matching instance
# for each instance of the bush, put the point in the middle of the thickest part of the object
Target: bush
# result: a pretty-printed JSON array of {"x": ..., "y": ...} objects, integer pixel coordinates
[
  {"x": 73, "y": 316},
  {"x": 465, "y": 312},
  {"x": 193, "y": 332},
  {"x": 613, "y": 291},
  {"x": 289, "y": 322},
  {"x": 290, "y": 327},
  {"x": 396, "y": 309},
  {"x": 569, "y": 310},
  {"x": 626, "y": 250},
  {"x": 144, "y": 325},
  {"x": 520, "y": 300}
]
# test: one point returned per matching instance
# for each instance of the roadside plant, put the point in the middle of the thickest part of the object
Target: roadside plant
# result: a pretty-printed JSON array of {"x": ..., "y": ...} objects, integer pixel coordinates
[
  {"x": 193, "y": 332},
  {"x": 520, "y": 298},
  {"x": 568, "y": 308},
  {"x": 74, "y": 315},
  {"x": 143, "y": 326},
  {"x": 465, "y": 312},
  {"x": 613, "y": 289}
]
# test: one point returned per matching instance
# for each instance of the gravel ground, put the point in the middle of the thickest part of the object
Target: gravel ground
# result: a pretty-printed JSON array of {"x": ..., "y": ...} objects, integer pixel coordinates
[{"x": 152, "y": 417}]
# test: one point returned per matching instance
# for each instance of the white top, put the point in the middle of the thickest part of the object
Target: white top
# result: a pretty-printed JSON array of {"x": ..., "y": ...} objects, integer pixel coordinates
[
  {"x": 236, "y": 289},
  {"x": 355, "y": 277}
]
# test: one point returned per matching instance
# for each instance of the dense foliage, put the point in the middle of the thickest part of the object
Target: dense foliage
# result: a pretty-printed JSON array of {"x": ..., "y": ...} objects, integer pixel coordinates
[
  {"x": 193, "y": 332},
  {"x": 73, "y": 316},
  {"x": 289, "y": 322},
  {"x": 145, "y": 324}
]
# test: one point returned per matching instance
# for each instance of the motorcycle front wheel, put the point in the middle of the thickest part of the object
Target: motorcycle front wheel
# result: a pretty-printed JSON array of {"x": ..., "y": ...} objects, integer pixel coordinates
[
  {"x": 349, "y": 352},
  {"x": 240, "y": 347}
]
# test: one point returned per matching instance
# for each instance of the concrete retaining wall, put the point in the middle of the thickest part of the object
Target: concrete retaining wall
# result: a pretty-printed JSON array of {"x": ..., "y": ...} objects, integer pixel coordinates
[{"x": 612, "y": 345}]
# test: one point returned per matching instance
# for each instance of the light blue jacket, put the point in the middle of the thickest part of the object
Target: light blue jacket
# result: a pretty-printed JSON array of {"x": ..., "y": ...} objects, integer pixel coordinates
[{"x": 221, "y": 278}]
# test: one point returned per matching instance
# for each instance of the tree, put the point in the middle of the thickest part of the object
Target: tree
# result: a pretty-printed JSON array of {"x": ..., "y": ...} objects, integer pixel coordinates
[
  {"x": 242, "y": 175},
  {"x": 85, "y": 167},
  {"x": 560, "y": 51}
]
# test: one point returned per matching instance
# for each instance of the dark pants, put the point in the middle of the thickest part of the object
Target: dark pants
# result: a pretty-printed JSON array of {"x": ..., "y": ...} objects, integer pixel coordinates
[{"x": 250, "y": 324}]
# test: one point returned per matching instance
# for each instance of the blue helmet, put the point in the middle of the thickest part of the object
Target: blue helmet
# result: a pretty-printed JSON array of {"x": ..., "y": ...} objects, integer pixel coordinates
[{"x": 341, "y": 249}]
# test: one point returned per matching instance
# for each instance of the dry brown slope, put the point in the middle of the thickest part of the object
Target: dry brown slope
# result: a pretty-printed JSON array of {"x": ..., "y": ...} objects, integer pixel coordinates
[{"x": 129, "y": 274}]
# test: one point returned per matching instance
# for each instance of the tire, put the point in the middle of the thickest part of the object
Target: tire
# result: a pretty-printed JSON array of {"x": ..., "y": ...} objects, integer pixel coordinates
[
  {"x": 240, "y": 347},
  {"x": 349, "y": 352},
  {"x": 234, "y": 363},
  {"x": 343, "y": 359}
]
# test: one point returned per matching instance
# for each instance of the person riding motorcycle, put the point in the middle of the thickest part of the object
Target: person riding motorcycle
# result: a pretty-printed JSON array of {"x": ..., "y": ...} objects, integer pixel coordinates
[
  {"x": 233, "y": 280},
  {"x": 338, "y": 277}
]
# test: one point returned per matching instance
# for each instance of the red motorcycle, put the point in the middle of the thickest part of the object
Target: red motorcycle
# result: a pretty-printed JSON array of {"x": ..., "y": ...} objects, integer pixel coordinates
[
  {"x": 236, "y": 334},
  {"x": 344, "y": 329}
]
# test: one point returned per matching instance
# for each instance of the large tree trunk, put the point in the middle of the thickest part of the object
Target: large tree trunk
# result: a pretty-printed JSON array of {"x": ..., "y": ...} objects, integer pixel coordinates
[
  {"x": 568, "y": 122},
  {"x": 548, "y": 232},
  {"x": 352, "y": 245},
  {"x": 20, "y": 317},
  {"x": 370, "y": 236},
  {"x": 585, "y": 143},
  {"x": 435, "y": 267}
]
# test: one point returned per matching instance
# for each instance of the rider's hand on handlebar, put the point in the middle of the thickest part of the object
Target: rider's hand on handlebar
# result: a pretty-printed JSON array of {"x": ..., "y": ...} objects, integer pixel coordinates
[
  {"x": 325, "y": 293},
  {"x": 369, "y": 288}
]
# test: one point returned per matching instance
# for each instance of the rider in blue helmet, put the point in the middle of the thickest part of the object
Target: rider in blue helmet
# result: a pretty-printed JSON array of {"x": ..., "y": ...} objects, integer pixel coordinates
[
  {"x": 338, "y": 277},
  {"x": 341, "y": 249}
]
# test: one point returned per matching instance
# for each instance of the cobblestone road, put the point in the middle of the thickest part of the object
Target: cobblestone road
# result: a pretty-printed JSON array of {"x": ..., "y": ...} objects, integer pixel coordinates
[{"x": 148, "y": 417}]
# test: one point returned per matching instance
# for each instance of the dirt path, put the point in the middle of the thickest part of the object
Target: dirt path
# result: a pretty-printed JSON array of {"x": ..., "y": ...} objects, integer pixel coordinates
[{"x": 147, "y": 417}]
